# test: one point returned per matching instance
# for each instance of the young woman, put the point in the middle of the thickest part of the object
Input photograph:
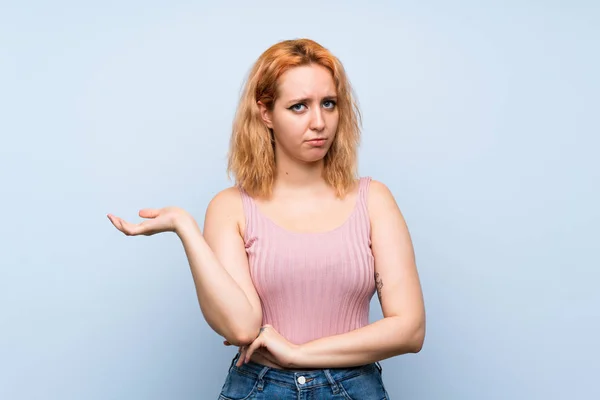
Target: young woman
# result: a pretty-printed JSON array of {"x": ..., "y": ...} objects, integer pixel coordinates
[{"x": 291, "y": 256}]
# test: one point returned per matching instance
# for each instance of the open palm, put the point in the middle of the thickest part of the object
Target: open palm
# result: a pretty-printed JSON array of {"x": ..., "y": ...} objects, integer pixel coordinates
[{"x": 158, "y": 220}]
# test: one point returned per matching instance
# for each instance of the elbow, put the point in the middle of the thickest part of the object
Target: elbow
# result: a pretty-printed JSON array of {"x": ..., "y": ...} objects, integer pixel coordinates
[
  {"x": 411, "y": 336},
  {"x": 243, "y": 335},
  {"x": 241, "y": 338},
  {"x": 417, "y": 345},
  {"x": 418, "y": 338}
]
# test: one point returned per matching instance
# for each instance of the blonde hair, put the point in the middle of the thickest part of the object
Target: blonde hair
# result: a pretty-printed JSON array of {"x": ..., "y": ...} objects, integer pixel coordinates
[{"x": 251, "y": 158}]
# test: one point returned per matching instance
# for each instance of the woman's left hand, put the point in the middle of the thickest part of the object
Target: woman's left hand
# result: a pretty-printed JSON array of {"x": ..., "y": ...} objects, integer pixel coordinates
[{"x": 273, "y": 346}]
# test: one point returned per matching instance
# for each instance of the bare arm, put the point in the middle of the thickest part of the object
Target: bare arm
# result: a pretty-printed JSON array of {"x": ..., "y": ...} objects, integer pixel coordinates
[
  {"x": 219, "y": 266},
  {"x": 402, "y": 330}
]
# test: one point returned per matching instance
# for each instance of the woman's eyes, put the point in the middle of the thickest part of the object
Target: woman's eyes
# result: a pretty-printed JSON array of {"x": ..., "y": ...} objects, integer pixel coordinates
[
  {"x": 295, "y": 107},
  {"x": 328, "y": 104}
]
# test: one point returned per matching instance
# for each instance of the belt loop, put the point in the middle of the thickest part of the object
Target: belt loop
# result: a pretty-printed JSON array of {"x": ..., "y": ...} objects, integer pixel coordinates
[
  {"x": 378, "y": 365},
  {"x": 332, "y": 382},
  {"x": 261, "y": 381}
]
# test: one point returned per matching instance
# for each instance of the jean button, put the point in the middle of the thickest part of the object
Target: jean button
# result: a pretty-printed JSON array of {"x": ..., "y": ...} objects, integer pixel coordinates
[{"x": 301, "y": 380}]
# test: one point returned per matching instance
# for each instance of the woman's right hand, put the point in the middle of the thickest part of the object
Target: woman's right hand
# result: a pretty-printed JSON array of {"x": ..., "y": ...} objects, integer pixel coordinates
[{"x": 158, "y": 220}]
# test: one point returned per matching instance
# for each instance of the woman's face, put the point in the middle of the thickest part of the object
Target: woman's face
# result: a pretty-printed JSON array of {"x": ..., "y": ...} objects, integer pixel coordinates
[{"x": 305, "y": 116}]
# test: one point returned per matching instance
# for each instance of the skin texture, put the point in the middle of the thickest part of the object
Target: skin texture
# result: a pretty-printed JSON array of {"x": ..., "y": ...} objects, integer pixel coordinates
[{"x": 305, "y": 109}]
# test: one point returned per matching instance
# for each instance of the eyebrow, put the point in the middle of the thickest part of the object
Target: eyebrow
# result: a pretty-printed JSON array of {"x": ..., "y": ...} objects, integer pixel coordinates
[{"x": 306, "y": 99}]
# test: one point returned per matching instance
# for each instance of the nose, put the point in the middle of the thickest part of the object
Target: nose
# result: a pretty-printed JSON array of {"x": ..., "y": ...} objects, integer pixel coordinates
[{"x": 317, "y": 122}]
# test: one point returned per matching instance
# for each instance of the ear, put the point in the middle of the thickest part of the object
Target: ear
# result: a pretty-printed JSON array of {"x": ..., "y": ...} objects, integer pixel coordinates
[{"x": 265, "y": 114}]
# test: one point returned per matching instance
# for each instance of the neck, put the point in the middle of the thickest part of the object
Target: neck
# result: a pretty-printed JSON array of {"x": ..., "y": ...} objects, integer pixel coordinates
[{"x": 293, "y": 174}]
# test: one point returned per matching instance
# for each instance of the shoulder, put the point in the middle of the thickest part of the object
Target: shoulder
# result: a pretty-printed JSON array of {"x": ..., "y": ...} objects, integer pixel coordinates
[
  {"x": 380, "y": 199},
  {"x": 379, "y": 192},
  {"x": 226, "y": 203}
]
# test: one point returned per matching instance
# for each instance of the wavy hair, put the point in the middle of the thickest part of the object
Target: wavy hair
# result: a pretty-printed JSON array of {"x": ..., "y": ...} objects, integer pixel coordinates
[{"x": 251, "y": 157}]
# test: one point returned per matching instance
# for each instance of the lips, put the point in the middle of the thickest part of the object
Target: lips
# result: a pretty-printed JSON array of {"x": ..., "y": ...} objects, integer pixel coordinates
[{"x": 317, "y": 142}]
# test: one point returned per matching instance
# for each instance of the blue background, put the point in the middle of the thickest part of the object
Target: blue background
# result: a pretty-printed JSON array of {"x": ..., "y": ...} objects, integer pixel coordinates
[{"x": 481, "y": 117}]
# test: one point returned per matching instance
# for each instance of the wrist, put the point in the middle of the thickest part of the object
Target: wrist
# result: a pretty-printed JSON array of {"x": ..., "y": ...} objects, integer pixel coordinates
[
  {"x": 183, "y": 223},
  {"x": 298, "y": 357}
]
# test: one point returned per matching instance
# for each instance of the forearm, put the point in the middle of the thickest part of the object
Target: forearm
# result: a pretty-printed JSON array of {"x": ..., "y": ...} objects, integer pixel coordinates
[
  {"x": 223, "y": 303},
  {"x": 385, "y": 338}
]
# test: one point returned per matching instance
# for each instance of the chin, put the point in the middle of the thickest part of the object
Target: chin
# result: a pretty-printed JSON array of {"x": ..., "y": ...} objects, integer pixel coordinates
[{"x": 313, "y": 159}]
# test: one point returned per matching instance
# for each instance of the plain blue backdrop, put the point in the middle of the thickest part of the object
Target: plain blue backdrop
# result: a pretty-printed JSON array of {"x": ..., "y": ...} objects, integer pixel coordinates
[{"x": 481, "y": 117}]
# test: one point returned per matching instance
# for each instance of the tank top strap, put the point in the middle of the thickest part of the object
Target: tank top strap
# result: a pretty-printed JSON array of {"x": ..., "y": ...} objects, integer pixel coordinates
[
  {"x": 361, "y": 205},
  {"x": 250, "y": 213},
  {"x": 363, "y": 190},
  {"x": 246, "y": 198}
]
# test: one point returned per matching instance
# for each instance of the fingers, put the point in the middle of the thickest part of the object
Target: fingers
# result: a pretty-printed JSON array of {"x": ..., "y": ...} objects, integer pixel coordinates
[
  {"x": 127, "y": 228},
  {"x": 255, "y": 347},
  {"x": 118, "y": 223},
  {"x": 242, "y": 358},
  {"x": 258, "y": 342},
  {"x": 267, "y": 355},
  {"x": 149, "y": 213},
  {"x": 143, "y": 228}
]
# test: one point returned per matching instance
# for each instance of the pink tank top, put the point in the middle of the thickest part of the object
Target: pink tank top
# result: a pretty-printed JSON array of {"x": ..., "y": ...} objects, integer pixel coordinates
[{"x": 312, "y": 285}]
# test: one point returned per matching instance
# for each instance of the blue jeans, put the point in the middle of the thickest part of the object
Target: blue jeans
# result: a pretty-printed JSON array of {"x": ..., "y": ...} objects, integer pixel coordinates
[{"x": 256, "y": 381}]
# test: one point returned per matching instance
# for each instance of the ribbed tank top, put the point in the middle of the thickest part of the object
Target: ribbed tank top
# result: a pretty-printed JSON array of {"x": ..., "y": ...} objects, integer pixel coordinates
[{"x": 312, "y": 285}]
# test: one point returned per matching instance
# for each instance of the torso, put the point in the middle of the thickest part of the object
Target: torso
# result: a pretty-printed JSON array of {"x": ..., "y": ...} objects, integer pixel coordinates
[{"x": 308, "y": 215}]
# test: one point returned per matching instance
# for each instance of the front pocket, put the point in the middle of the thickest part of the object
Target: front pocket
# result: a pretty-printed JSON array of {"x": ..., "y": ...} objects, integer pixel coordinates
[
  {"x": 367, "y": 386},
  {"x": 238, "y": 385}
]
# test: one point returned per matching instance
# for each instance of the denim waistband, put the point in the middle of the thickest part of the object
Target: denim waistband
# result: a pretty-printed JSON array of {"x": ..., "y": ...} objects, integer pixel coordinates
[{"x": 303, "y": 379}]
